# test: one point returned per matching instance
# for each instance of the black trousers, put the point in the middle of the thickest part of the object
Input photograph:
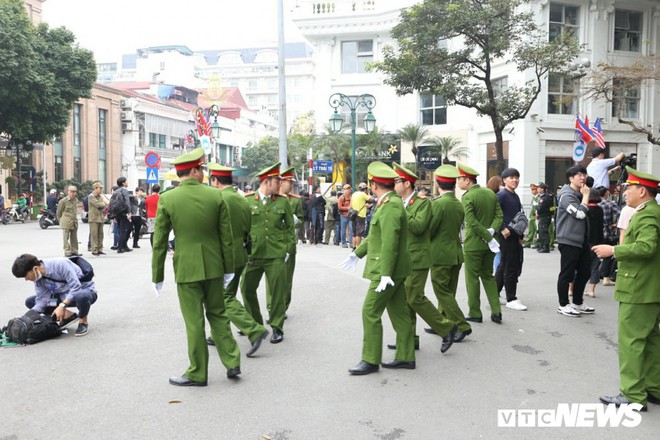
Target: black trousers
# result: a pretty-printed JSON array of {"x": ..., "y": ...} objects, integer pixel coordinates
[
  {"x": 608, "y": 268},
  {"x": 544, "y": 232},
  {"x": 510, "y": 266},
  {"x": 125, "y": 227},
  {"x": 575, "y": 268},
  {"x": 137, "y": 225}
]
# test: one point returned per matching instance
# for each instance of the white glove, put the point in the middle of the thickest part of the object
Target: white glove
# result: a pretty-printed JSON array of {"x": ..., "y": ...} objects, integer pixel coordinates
[
  {"x": 157, "y": 288},
  {"x": 286, "y": 257},
  {"x": 228, "y": 278},
  {"x": 384, "y": 282},
  {"x": 350, "y": 262},
  {"x": 491, "y": 231},
  {"x": 494, "y": 246},
  {"x": 295, "y": 220}
]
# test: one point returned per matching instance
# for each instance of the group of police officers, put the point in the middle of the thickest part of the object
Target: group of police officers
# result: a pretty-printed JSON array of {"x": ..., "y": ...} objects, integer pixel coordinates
[{"x": 409, "y": 237}]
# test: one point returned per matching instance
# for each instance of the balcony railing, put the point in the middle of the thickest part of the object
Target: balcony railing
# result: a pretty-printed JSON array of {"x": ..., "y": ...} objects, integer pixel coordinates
[{"x": 339, "y": 7}]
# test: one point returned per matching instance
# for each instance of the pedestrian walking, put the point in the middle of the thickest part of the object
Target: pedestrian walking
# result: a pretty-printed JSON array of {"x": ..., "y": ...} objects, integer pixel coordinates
[
  {"x": 286, "y": 187},
  {"x": 96, "y": 217},
  {"x": 67, "y": 215}
]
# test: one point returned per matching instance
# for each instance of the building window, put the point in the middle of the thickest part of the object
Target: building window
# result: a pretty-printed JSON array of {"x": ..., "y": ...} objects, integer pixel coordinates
[
  {"x": 562, "y": 96},
  {"x": 153, "y": 140},
  {"x": 162, "y": 65},
  {"x": 625, "y": 100},
  {"x": 103, "y": 114},
  {"x": 500, "y": 85},
  {"x": 433, "y": 109},
  {"x": 58, "y": 150},
  {"x": 355, "y": 55},
  {"x": 162, "y": 141},
  {"x": 563, "y": 19},
  {"x": 77, "y": 169},
  {"x": 102, "y": 172},
  {"x": 491, "y": 155},
  {"x": 252, "y": 100},
  {"x": 77, "y": 111},
  {"x": 252, "y": 84},
  {"x": 627, "y": 31},
  {"x": 272, "y": 84},
  {"x": 272, "y": 99}
]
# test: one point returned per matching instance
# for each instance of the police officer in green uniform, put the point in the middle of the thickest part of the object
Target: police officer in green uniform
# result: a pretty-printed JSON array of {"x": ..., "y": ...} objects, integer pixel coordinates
[
  {"x": 532, "y": 239},
  {"x": 239, "y": 214},
  {"x": 388, "y": 265},
  {"x": 204, "y": 253},
  {"x": 273, "y": 241},
  {"x": 483, "y": 216},
  {"x": 418, "y": 211},
  {"x": 288, "y": 177},
  {"x": 446, "y": 251},
  {"x": 638, "y": 295}
]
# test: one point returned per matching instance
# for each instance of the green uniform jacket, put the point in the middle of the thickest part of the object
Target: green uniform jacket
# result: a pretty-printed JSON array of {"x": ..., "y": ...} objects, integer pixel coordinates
[
  {"x": 482, "y": 211},
  {"x": 446, "y": 219},
  {"x": 272, "y": 233},
  {"x": 204, "y": 243},
  {"x": 419, "y": 237},
  {"x": 296, "y": 209},
  {"x": 239, "y": 215},
  {"x": 97, "y": 205},
  {"x": 639, "y": 258},
  {"x": 67, "y": 213},
  {"x": 386, "y": 246}
]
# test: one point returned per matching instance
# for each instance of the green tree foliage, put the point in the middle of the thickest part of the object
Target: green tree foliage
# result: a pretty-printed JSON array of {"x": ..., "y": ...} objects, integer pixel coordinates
[
  {"x": 447, "y": 146},
  {"x": 43, "y": 73},
  {"x": 415, "y": 135},
  {"x": 481, "y": 35},
  {"x": 261, "y": 155}
]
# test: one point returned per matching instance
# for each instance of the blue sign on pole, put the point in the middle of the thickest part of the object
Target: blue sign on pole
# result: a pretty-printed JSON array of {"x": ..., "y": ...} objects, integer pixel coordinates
[
  {"x": 152, "y": 175},
  {"x": 322, "y": 166}
]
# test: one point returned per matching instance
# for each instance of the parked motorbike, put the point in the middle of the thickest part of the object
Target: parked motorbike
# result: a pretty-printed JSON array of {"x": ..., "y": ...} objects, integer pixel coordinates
[
  {"x": 16, "y": 214},
  {"x": 47, "y": 218},
  {"x": 4, "y": 216}
]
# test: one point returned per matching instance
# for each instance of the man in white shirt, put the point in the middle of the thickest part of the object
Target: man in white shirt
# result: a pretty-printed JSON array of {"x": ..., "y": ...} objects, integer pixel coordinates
[{"x": 599, "y": 167}]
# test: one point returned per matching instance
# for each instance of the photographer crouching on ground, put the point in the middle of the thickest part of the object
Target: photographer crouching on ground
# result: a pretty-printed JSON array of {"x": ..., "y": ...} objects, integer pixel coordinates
[{"x": 57, "y": 286}]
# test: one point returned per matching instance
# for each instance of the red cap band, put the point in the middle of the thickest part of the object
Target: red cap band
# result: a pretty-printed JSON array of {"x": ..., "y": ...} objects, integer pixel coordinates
[
  {"x": 445, "y": 179},
  {"x": 636, "y": 180},
  {"x": 464, "y": 174},
  {"x": 383, "y": 179},
  {"x": 406, "y": 176},
  {"x": 221, "y": 173},
  {"x": 188, "y": 165},
  {"x": 272, "y": 173}
]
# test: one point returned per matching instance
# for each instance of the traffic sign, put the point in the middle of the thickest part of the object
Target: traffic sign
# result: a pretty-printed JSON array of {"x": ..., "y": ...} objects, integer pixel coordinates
[
  {"x": 322, "y": 166},
  {"x": 579, "y": 149},
  {"x": 152, "y": 159},
  {"x": 152, "y": 175},
  {"x": 205, "y": 142}
]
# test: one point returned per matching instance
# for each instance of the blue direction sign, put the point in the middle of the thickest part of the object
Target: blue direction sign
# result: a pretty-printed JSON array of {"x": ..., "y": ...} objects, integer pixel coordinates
[
  {"x": 152, "y": 175},
  {"x": 322, "y": 166}
]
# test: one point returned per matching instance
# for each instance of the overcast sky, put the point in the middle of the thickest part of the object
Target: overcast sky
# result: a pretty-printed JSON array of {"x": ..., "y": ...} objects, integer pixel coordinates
[{"x": 113, "y": 28}]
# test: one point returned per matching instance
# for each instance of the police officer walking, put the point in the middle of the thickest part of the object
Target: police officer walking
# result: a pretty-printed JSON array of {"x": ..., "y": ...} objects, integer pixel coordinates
[{"x": 288, "y": 177}]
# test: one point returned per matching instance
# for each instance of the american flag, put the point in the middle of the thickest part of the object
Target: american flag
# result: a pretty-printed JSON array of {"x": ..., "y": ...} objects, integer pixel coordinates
[
  {"x": 583, "y": 130},
  {"x": 598, "y": 134}
]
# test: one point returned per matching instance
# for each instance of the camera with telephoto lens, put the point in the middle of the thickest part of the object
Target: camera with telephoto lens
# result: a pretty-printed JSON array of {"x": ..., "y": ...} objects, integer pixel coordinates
[{"x": 629, "y": 161}]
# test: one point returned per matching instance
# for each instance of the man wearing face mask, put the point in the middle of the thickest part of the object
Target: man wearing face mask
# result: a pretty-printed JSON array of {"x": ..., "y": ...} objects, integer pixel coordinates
[{"x": 57, "y": 287}]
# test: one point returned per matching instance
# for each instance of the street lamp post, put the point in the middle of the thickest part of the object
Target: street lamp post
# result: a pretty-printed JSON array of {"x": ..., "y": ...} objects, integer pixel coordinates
[
  {"x": 352, "y": 103},
  {"x": 214, "y": 111}
]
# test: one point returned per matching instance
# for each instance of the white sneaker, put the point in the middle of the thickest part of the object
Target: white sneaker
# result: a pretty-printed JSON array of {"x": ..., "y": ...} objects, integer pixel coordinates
[
  {"x": 608, "y": 282},
  {"x": 516, "y": 305},
  {"x": 583, "y": 309},
  {"x": 502, "y": 301},
  {"x": 567, "y": 310}
]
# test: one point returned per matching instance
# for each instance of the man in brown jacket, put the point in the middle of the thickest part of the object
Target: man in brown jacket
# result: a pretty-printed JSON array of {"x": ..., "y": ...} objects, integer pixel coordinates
[
  {"x": 97, "y": 204},
  {"x": 67, "y": 214}
]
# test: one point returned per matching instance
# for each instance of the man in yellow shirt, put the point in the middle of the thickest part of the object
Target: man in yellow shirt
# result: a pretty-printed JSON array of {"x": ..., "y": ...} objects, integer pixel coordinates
[{"x": 361, "y": 201}]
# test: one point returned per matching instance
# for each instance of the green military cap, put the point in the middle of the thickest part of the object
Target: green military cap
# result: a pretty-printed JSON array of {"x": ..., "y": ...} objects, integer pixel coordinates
[
  {"x": 405, "y": 173},
  {"x": 220, "y": 170},
  {"x": 466, "y": 171},
  {"x": 446, "y": 173},
  {"x": 381, "y": 173},
  {"x": 189, "y": 160},
  {"x": 289, "y": 173},
  {"x": 271, "y": 171},
  {"x": 640, "y": 178}
]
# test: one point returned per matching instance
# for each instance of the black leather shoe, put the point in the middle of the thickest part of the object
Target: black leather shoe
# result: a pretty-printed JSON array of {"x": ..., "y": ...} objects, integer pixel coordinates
[
  {"x": 210, "y": 342},
  {"x": 461, "y": 335},
  {"x": 128, "y": 249},
  {"x": 183, "y": 381},
  {"x": 618, "y": 400},
  {"x": 496, "y": 318},
  {"x": 277, "y": 337},
  {"x": 233, "y": 373},
  {"x": 114, "y": 248},
  {"x": 543, "y": 251},
  {"x": 135, "y": 246},
  {"x": 448, "y": 340},
  {"x": 363, "y": 368},
  {"x": 408, "y": 365},
  {"x": 430, "y": 331},
  {"x": 256, "y": 344},
  {"x": 652, "y": 399},
  {"x": 393, "y": 346},
  {"x": 471, "y": 319},
  {"x": 102, "y": 253}
]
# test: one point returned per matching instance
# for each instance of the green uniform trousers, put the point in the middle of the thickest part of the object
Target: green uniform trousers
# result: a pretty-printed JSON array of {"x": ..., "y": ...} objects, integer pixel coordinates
[
  {"x": 237, "y": 314},
  {"x": 420, "y": 305},
  {"x": 394, "y": 300},
  {"x": 639, "y": 350},
  {"x": 551, "y": 231},
  {"x": 276, "y": 284},
  {"x": 70, "y": 241},
  {"x": 96, "y": 232},
  {"x": 195, "y": 299},
  {"x": 479, "y": 265},
  {"x": 290, "y": 267},
  {"x": 445, "y": 282},
  {"x": 531, "y": 233}
]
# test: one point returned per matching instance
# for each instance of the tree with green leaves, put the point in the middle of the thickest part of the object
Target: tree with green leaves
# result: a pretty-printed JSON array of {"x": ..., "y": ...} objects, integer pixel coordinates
[
  {"x": 261, "y": 155},
  {"x": 451, "y": 48},
  {"x": 449, "y": 146},
  {"x": 43, "y": 72},
  {"x": 415, "y": 135}
]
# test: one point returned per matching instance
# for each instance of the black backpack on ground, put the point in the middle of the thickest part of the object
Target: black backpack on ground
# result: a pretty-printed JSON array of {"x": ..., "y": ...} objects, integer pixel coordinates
[
  {"x": 118, "y": 205},
  {"x": 32, "y": 328}
]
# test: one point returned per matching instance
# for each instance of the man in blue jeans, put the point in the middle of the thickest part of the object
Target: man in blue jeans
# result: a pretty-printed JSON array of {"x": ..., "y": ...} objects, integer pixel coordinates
[{"x": 57, "y": 286}]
